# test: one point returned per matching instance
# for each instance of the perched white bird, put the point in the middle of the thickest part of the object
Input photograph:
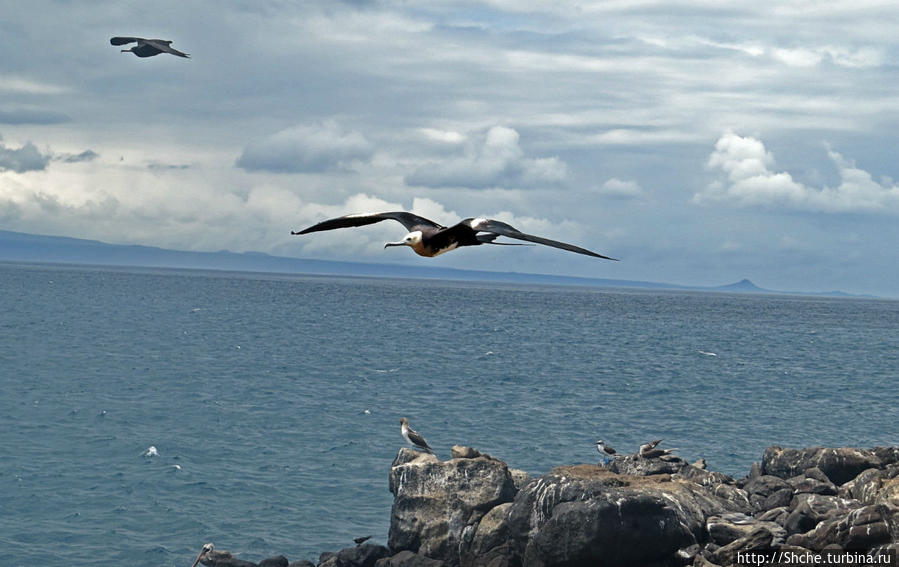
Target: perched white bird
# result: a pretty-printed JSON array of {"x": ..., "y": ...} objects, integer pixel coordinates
[
  {"x": 604, "y": 449},
  {"x": 412, "y": 437}
]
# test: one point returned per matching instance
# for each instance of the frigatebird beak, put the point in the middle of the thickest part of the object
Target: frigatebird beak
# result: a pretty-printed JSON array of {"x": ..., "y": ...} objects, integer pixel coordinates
[{"x": 400, "y": 243}]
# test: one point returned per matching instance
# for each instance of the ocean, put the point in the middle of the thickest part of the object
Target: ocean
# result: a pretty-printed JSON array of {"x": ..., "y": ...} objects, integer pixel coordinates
[{"x": 145, "y": 412}]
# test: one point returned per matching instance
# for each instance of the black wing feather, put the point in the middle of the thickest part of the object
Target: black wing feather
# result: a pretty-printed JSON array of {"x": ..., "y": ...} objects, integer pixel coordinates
[
  {"x": 165, "y": 45},
  {"x": 408, "y": 220},
  {"x": 124, "y": 40},
  {"x": 503, "y": 229}
]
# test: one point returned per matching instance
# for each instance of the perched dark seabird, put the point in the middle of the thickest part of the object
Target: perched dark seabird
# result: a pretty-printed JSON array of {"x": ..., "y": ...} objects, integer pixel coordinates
[
  {"x": 412, "y": 436},
  {"x": 655, "y": 453},
  {"x": 361, "y": 540},
  {"x": 647, "y": 446},
  {"x": 430, "y": 239},
  {"x": 211, "y": 558},
  {"x": 148, "y": 47}
]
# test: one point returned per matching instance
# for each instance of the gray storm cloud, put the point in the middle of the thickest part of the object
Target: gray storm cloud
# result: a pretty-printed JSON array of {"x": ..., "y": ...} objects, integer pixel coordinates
[
  {"x": 323, "y": 146},
  {"x": 23, "y": 159}
]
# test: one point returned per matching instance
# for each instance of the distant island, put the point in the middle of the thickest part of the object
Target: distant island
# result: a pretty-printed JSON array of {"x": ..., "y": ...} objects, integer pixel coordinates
[{"x": 23, "y": 247}]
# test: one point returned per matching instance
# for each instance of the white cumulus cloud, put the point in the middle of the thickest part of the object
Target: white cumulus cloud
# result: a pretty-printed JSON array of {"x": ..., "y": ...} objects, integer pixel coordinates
[
  {"x": 496, "y": 161},
  {"x": 748, "y": 177}
]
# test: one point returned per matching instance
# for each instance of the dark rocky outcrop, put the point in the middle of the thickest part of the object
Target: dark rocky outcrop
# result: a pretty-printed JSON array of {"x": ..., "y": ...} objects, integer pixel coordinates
[
  {"x": 575, "y": 515},
  {"x": 409, "y": 559},
  {"x": 839, "y": 465},
  {"x": 437, "y": 504},
  {"x": 664, "y": 511},
  {"x": 862, "y": 528},
  {"x": 474, "y": 511},
  {"x": 365, "y": 555}
]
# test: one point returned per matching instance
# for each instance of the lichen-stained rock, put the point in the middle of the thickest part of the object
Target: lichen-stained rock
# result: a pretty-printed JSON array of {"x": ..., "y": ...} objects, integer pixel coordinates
[
  {"x": 764, "y": 536},
  {"x": 409, "y": 559},
  {"x": 703, "y": 476},
  {"x": 727, "y": 528},
  {"x": 365, "y": 555},
  {"x": 587, "y": 515},
  {"x": 767, "y": 492},
  {"x": 435, "y": 501},
  {"x": 803, "y": 484},
  {"x": 887, "y": 455},
  {"x": 635, "y": 465},
  {"x": 874, "y": 486},
  {"x": 488, "y": 544},
  {"x": 808, "y": 510},
  {"x": 733, "y": 497},
  {"x": 862, "y": 528},
  {"x": 838, "y": 464},
  {"x": 777, "y": 515}
]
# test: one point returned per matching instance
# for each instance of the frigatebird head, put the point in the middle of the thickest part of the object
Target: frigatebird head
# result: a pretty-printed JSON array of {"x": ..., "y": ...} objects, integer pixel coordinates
[{"x": 412, "y": 239}]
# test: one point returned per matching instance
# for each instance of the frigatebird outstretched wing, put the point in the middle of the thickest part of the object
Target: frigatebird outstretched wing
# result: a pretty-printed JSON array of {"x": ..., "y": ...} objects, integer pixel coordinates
[
  {"x": 124, "y": 40},
  {"x": 503, "y": 229},
  {"x": 408, "y": 220},
  {"x": 148, "y": 47}
]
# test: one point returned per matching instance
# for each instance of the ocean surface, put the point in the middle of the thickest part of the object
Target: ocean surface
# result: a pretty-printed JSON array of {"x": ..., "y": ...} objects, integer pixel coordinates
[{"x": 272, "y": 402}]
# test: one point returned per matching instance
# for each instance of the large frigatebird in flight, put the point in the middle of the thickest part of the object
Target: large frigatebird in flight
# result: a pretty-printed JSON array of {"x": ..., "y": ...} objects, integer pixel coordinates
[
  {"x": 148, "y": 47},
  {"x": 427, "y": 238}
]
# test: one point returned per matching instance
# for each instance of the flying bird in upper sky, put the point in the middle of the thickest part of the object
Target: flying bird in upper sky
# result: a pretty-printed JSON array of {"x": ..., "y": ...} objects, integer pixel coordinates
[
  {"x": 430, "y": 239},
  {"x": 148, "y": 47}
]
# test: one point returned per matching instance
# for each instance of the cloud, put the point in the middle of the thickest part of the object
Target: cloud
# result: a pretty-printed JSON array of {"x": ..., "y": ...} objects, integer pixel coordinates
[
  {"x": 26, "y": 158},
  {"x": 86, "y": 155},
  {"x": 620, "y": 189},
  {"x": 748, "y": 179},
  {"x": 497, "y": 161},
  {"x": 324, "y": 146},
  {"x": 840, "y": 56},
  {"x": 16, "y": 116},
  {"x": 15, "y": 84}
]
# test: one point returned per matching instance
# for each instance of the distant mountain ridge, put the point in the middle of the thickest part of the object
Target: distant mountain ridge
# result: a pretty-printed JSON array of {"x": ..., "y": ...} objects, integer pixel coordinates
[{"x": 24, "y": 247}]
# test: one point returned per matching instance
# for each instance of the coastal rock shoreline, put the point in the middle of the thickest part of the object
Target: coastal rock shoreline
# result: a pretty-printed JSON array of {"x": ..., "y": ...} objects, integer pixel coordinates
[{"x": 474, "y": 511}]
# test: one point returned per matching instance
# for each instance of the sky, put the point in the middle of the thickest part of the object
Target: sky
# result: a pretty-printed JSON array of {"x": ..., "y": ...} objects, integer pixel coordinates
[{"x": 700, "y": 142}]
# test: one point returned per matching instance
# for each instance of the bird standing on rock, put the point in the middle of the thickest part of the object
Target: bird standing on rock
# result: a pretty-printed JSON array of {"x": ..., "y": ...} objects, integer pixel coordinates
[
  {"x": 412, "y": 437},
  {"x": 649, "y": 451},
  {"x": 605, "y": 451}
]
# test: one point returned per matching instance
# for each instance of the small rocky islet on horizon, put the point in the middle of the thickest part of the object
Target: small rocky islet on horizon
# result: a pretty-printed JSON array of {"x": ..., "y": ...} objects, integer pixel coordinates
[{"x": 474, "y": 511}]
